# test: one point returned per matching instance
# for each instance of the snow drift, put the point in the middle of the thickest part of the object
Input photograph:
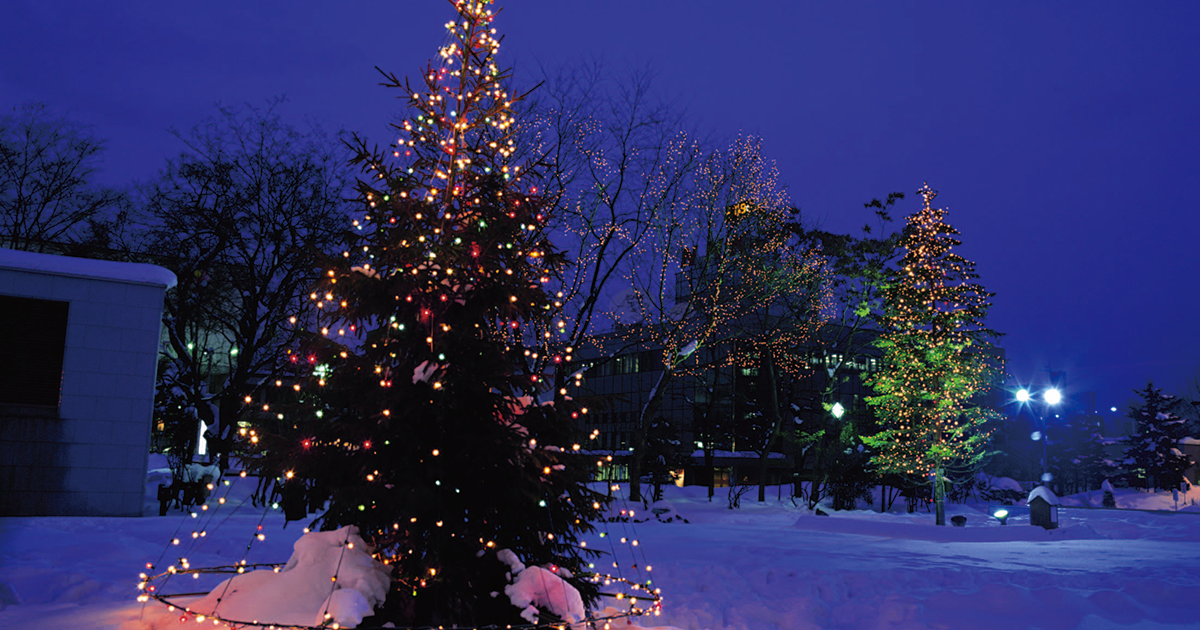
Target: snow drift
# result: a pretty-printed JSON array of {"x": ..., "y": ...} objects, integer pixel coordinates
[{"x": 330, "y": 576}]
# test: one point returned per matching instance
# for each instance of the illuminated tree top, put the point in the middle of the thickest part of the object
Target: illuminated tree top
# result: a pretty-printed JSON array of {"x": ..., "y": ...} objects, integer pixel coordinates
[{"x": 936, "y": 355}]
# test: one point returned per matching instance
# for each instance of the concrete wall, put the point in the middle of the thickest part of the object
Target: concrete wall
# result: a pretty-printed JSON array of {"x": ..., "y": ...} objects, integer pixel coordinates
[{"x": 90, "y": 457}]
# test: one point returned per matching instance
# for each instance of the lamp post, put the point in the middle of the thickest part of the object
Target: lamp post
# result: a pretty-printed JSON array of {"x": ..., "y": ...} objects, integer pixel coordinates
[
  {"x": 837, "y": 411},
  {"x": 1050, "y": 397}
]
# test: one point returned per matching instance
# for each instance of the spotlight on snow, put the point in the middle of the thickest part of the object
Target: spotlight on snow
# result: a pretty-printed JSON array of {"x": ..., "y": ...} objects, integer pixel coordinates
[
  {"x": 1047, "y": 477},
  {"x": 1022, "y": 395},
  {"x": 1001, "y": 515},
  {"x": 1052, "y": 396},
  {"x": 1035, "y": 436}
]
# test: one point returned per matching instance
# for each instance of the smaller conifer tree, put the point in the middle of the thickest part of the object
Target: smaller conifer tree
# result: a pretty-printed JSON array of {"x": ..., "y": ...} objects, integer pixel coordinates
[{"x": 1152, "y": 454}]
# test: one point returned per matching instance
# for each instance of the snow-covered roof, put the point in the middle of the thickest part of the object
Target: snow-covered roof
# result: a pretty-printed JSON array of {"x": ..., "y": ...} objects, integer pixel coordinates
[
  {"x": 1189, "y": 440},
  {"x": 136, "y": 273},
  {"x": 1046, "y": 493},
  {"x": 736, "y": 454}
]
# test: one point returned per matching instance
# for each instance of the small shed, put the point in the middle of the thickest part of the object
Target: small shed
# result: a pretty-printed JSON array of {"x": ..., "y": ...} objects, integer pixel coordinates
[
  {"x": 77, "y": 383},
  {"x": 1043, "y": 507}
]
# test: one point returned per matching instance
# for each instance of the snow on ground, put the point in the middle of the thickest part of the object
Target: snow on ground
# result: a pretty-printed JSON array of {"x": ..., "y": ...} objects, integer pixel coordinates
[
  {"x": 772, "y": 566},
  {"x": 763, "y": 566}
]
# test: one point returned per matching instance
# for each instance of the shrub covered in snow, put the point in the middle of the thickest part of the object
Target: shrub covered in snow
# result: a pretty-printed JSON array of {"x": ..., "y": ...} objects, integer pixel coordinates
[
  {"x": 1002, "y": 490},
  {"x": 1109, "y": 500}
]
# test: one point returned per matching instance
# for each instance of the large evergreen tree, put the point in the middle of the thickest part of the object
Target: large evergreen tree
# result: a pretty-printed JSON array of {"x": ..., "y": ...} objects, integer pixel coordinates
[
  {"x": 1153, "y": 454},
  {"x": 936, "y": 359},
  {"x": 434, "y": 437}
]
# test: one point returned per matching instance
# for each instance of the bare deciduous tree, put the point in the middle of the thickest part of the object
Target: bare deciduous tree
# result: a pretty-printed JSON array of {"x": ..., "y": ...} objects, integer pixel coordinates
[
  {"x": 618, "y": 159},
  {"x": 241, "y": 212},
  {"x": 48, "y": 197},
  {"x": 721, "y": 258}
]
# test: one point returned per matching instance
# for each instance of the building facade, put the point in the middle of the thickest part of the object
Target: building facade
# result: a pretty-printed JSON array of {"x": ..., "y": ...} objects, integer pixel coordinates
[{"x": 77, "y": 389}]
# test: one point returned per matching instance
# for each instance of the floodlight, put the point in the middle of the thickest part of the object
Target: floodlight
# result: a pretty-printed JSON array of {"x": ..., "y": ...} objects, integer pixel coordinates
[{"x": 1023, "y": 395}]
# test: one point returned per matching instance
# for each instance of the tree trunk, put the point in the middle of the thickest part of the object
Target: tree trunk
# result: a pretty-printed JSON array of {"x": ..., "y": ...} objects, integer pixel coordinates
[
  {"x": 712, "y": 472},
  {"x": 230, "y": 410},
  {"x": 939, "y": 495},
  {"x": 639, "y": 435},
  {"x": 776, "y": 425},
  {"x": 820, "y": 469}
]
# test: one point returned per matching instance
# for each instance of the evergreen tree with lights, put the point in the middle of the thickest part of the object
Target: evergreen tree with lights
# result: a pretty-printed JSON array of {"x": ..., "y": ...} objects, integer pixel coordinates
[
  {"x": 1152, "y": 454},
  {"x": 936, "y": 359},
  {"x": 434, "y": 435}
]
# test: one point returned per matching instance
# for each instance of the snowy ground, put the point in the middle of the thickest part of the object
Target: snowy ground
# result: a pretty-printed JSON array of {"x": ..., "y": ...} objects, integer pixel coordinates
[{"x": 763, "y": 566}]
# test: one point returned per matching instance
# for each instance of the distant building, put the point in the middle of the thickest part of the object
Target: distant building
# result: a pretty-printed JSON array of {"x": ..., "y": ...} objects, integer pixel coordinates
[
  {"x": 1190, "y": 446},
  {"x": 77, "y": 384},
  {"x": 622, "y": 370},
  {"x": 620, "y": 374}
]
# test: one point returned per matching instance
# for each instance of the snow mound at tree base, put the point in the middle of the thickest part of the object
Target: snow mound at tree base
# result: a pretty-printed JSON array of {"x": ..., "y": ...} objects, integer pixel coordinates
[
  {"x": 534, "y": 587},
  {"x": 304, "y": 592}
]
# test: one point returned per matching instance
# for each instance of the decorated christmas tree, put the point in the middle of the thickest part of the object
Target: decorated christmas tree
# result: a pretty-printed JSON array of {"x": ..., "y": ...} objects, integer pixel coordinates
[
  {"x": 431, "y": 431},
  {"x": 936, "y": 359}
]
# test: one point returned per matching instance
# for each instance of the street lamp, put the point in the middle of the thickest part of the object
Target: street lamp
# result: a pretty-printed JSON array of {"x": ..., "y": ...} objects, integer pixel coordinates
[
  {"x": 837, "y": 410},
  {"x": 1051, "y": 397}
]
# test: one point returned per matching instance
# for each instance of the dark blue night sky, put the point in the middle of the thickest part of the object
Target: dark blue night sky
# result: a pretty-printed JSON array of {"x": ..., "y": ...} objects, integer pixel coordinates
[{"x": 1064, "y": 138}]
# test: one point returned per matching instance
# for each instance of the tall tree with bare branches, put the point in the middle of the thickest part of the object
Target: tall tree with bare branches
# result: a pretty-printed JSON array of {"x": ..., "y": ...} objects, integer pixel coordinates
[
  {"x": 49, "y": 199},
  {"x": 721, "y": 273},
  {"x": 618, "y": 162},
  {"x": 239, "y": 216}
]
